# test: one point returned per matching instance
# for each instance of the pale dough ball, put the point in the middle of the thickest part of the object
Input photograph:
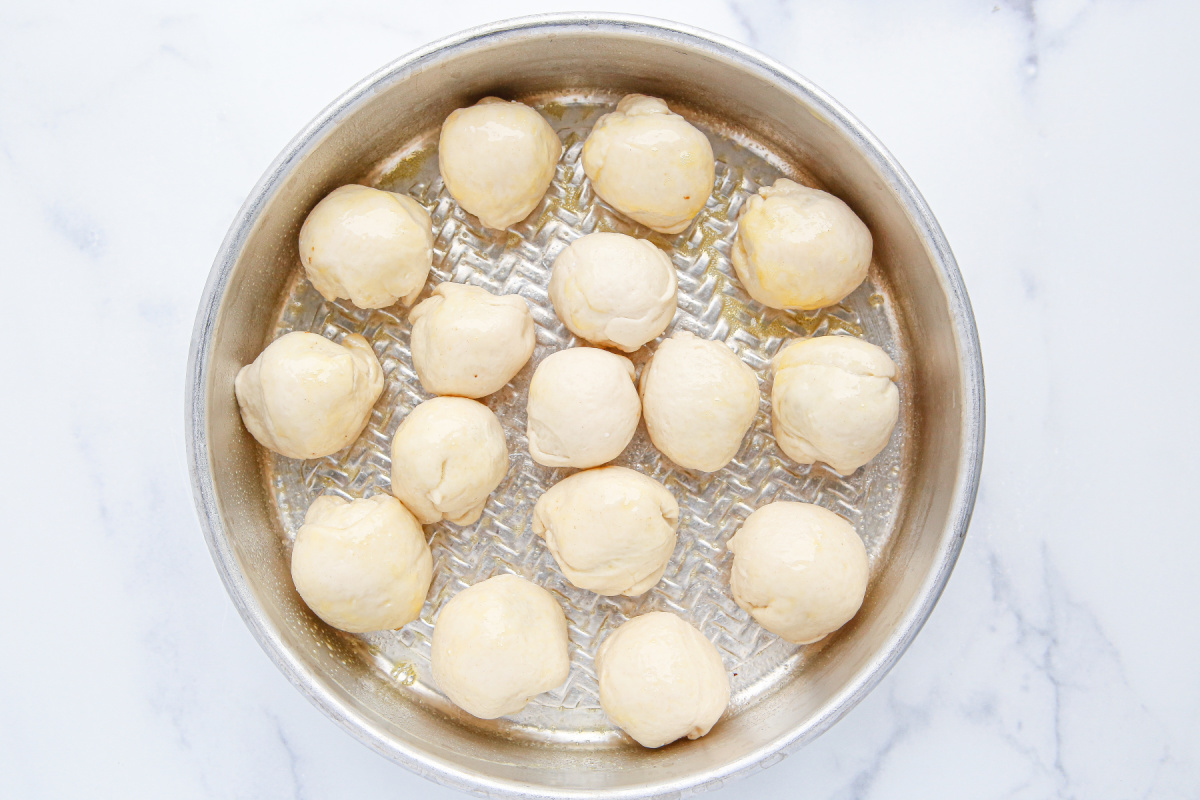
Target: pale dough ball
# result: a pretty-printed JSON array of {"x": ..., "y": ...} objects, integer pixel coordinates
[
  {"x": 834, "y": 400},
  {"x": 800, "y": 248},
  {"x": 307, "y": 397},
  {"x": 362, "y": 565},
  {"x": 368, "y": 246},
  {"x": 699, "y": 399},
  {"x": 611, "y": 530},
  {"x": 583, "y": 408},
  {"x": 498, "y": 644},
  {"x": 497, "y": 159},
  {"x": 467, "y": 341},
  {"x": 800, "y": 571},
  {"x": 650, "y": 164},
  {"x": 660, "y": 680},
  {"x": 448, "y": 455},
  {"x": 614, "y": 290}
]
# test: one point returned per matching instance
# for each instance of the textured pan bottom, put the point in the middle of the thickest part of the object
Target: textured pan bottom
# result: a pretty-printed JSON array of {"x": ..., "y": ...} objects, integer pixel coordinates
[{"x": 712, "y": 304}]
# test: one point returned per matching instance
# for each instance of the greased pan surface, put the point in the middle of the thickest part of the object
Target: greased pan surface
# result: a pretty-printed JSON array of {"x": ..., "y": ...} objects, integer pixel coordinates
[{"x": 911, "y": 504}]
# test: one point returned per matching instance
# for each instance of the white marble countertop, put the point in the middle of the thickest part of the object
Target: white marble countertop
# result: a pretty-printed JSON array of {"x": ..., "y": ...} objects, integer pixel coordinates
[{"x": 1055, "y": 139}]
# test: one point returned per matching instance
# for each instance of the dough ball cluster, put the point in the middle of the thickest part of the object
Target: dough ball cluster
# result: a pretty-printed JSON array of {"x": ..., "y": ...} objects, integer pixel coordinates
[
  {"x": 661, "y": 680},
  {"x": 466, "y": 341},
  {"x": 650, "y": 164},
  {"x": 614, "y": 290},
  {"x": 368, "y": 246},
  {"x": 307, "y": 397},
  {"x": 362, "y": 565},
  {"x": 699, "y": 400},
  {"x": 611, "y": 530},
  {"x": 497, "y": 159},
  {"x": 583, "y": 408},
  {"x": 498, "y": 644},
  {"x": 834, "y": 400},
  {"x": 799, "y": 247},
  {"x": 800, "y": 571},
  {"x": 448, "y": 455}
]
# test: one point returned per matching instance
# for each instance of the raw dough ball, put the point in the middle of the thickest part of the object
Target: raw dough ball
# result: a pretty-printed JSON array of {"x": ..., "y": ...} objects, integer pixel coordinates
[
  {"x": 498, "y": 644},
  {"x": 611, "y": 530},
  {"x": 497, "y": 159},
  {"x": 448, "y": 455},
  {"x": 614, "y": 290},
  {"x": 650, "y": 164},
  {"x": 660, "y": 680},
  {"x": 834, "y": 400},
  {"x": 362, "y": 565},
  {"x": 307, "y": 397},
  {"x": 801, "y": 248},
  {"x": 699, "y": 399},
  {"x": 583, "y": 408},
  {"x": 469, "y": 342},
  {"x": 371, "y": 247},
  {"x": 800, "y": 571}
]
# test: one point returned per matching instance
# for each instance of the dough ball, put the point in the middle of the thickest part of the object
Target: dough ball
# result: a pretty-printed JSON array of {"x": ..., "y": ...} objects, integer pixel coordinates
[
  {"x": 611, "y": 530},
  {"x": 699, "y": 399},
  {"x": 660, "y": 680},
  {"x": 801, "y": 248},
  {"x": 362, "y": 565},
  {"x": 614, "y": 290},
  {"x": 497, "y": 159},
  {"x": 834, "y": 400},
  {"x": 448, "y": 455},
  {"x": 469, "y": 342},
  {"x": 583, "y": 408},
  {"x": 650, "y": 164},
  {"x": 498, "y": 644},
  {"x": 307, "y": 397},
  {"x": 368, "y": 246},
  {"x": 800, "y": 571}
]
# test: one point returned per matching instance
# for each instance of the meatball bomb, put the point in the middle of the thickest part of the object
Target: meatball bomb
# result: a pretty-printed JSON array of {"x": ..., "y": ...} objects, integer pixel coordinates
[
  {"x": 448, "y": 455},
  {"x": 614, "y": 290},
  {"x": 661, "y": 680},
  {"x": 466, "y": 341},
  {"x": 800, "y": 248},
  {"x": 699, "y": 399},
  {"x": 583, "y": 408},
  {"x": 498, "y": 644},
  {"x": 370, "y": 247},
  {"x": 800, "y": 571},
  {"x": 307, "y": 397},
  {"x": 834, "y": 400},
  {"x": 362, "y": 565},
  {"x": 650, "y": 164},
  {"x": 497, "y": 159}
]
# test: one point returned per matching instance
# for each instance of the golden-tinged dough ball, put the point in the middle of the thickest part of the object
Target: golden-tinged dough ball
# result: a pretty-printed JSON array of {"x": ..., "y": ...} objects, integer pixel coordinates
[
  {"x": 699, "y": 399},
  {"x": 307, "y": 397},
  {"x": 661, "y": 680},
  {"x": 614, "y": 290},
  {"x": 611, "y": 530},
  {"x": 834, "y": 400},
  {"x": 362, "y": 565},
  {"x": 469, "y": 342},
  {"x": 368, "y": 246},
  {"x": 800, "y": 571},
  {"x": 799, "y": 247},
  {"x": 498, "y": 159},
  {"x": 448, "y": 456},
  {"x": 582, "y": 409},
  {"x": 499, "y": 644},
  {"x": 650, "y": 164}
]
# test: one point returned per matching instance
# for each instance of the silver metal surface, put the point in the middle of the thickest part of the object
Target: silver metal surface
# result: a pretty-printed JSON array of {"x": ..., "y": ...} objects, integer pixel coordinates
[{"x": 911, "y": 504}]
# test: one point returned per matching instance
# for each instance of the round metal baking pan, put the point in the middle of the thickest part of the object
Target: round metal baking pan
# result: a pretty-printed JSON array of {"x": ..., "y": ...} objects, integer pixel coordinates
[{"x": 911, "y": 505}]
